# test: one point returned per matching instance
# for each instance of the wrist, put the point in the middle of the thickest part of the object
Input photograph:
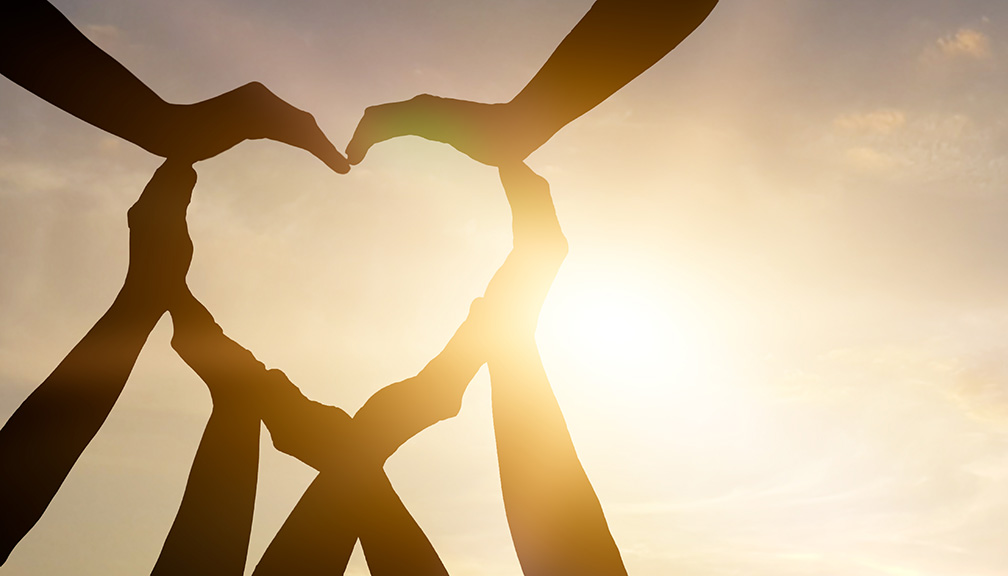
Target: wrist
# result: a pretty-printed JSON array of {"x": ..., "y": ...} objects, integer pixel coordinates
[
  {"x": 171, "y": 125},
  {"x": 527, "y": 123}
]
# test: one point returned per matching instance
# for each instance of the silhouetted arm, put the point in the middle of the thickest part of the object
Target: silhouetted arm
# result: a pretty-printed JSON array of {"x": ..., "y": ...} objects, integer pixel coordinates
[
  {"x": 211, "y": 530},
  {"x": 399, "y": 411},
  {"x": 353, "y": 498},
  {"x": 43, "y": 52},
  {"x": 613, "y": 43},
  {"x": 42, "y": 440},
  {"x": 210, "y": 534},
  {"x": 315, "y": 433},
  {"x": 339, "y": 507},
  {"x": 556, "y": 521}
]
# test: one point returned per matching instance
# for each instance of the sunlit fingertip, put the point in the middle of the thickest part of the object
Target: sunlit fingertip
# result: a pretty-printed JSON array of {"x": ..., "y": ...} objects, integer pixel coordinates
[
  {"x": 336, "y": 162},
  {"x": 355, "y": 154}
]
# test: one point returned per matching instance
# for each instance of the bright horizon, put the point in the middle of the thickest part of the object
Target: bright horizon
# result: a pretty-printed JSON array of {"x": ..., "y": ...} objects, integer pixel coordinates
[{"x": 779, "y": 340}]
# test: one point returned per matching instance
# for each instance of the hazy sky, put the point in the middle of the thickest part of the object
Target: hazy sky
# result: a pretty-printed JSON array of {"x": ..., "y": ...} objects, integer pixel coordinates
[{"x": 780, "y": 339}]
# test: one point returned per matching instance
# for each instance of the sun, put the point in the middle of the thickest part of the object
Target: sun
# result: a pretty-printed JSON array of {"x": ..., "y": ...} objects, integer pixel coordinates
[{"x": 620, "y": 324}]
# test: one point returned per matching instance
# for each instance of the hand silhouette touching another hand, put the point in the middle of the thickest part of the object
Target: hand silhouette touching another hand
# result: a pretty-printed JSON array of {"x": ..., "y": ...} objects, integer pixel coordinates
[
  {"x": 160, "y": 247},
  {"x": 612, "y": 44},
  {"x": 205, "y": 129},
  {"x": 487, "y": 133}
]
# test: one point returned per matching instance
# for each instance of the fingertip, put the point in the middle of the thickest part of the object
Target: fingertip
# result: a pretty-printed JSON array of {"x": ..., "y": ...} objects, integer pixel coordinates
[
  {"x": 355, "y": 152},
  {"x": 336, "y": 162},
  {"x": 330, "y": 156}
]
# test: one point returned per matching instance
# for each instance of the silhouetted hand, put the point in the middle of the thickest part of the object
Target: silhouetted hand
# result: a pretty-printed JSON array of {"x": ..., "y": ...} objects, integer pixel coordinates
[
  {"x": 207, "y": 128},
  {"x": 515, "y": 295},
  {"x": 487, "y": 133},
  {"x": 160, "y": 247},
  {"x": 317, "y": 434},
  {"x": 46, "y": 54}
]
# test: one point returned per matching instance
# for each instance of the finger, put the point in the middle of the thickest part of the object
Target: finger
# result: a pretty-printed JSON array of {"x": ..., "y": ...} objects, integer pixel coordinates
[
  {"x": 281, "y": 121},
  {"x": 386, "y": 121},
  {"x": 324, "y": 150},
  {"x": 301, "y": 130}
]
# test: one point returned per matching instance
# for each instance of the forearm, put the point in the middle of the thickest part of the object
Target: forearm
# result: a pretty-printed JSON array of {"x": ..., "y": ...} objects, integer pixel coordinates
[
  {"x": 399, "y": 411},
  {"x": 69, "y": 71},
  {"x": 316, "y": 434},
  {"x": 42, "y": 440},
  {"x": 613, "y": 43},
  {"x": 518, "y": 289},
  {"x": 338, "y": 507},
  {"x": 392, "y": 541},
  {"x": 319, "y": 535},
  {"x": 223, "y": 364},
  {"x": 554, "y": 515},
  {"x": 210, "y": 534}
]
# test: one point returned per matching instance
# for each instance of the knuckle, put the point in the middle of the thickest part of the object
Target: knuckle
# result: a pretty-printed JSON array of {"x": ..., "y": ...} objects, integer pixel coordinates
[
  {"x": 308, "y": 118},
  {"x": 133, "y": 214},
  {"x": 255, "y": 86}
]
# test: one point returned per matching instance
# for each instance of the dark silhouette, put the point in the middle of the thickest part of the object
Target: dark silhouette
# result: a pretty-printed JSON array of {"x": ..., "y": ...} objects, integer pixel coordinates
[
  {"x": 211, "y": 530},
  {"x": 556, "y": 521},
  {"x": 43, "y": 439},
  {"x": 43, "y": 52},
  {"x": 352, "y": 497},
  {"x": 613, "y": 43},
  {"x": 555, "y": 518},
  {"x": 210, "y": 533}
]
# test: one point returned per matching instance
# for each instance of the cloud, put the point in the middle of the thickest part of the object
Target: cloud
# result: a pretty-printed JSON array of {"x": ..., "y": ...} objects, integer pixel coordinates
[
  {"x": 981, "y": 387},
  {"x": 881, "y": 121},
  {"x": 918, "y": 148},
  {"x": 866, "y": 136},
  {"x": 966, "y": 42},
  {"x": 28, "y": 178},
  {"x": 868, "y": 159}
]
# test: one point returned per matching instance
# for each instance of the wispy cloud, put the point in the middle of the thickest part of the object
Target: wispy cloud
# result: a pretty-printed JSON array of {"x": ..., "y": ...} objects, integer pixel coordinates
[
  {"x": 881, "y": 121},
  {"x": 919, "y": 147},
  {"x": 981, "y": 387},
  {"x": 966, "y": 42}
]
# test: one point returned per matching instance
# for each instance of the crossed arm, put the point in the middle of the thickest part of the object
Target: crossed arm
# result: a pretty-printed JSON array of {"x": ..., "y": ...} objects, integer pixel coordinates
[
  {"x": 352, "y": 498},
  {"x": 543, "y": 482},
  {"x": 556, "y": 521},
  {"x": 211, "y": 530}
]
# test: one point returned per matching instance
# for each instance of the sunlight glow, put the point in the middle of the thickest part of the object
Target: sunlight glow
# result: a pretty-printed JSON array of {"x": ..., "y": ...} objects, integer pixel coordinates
[{"x": 618, "y": 326}]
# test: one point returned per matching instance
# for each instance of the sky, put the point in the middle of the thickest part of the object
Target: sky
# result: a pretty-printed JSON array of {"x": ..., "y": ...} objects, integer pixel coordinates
[{"x": 780, "y": 339}]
